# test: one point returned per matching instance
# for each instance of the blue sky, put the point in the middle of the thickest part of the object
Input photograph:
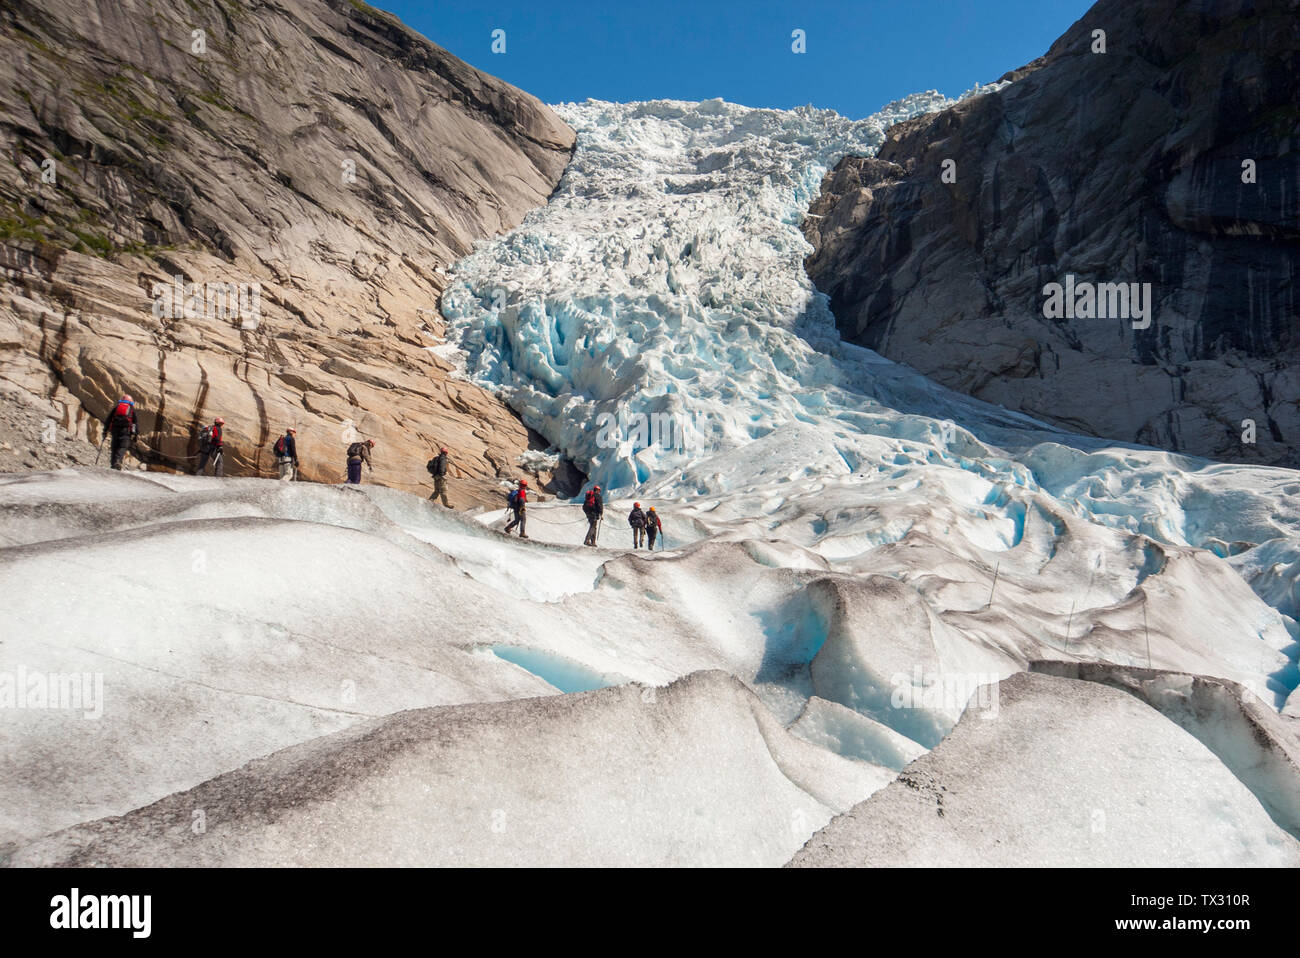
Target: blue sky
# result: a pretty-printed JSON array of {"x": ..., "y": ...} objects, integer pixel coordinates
[{"x": 860, "y": 53}]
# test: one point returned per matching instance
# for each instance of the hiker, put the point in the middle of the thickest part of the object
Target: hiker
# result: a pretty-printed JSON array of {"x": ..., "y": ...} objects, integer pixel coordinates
[
  {"x": 518, "y": 501},
  {"x": 212, "y": 446},
  {"x": 593, "y": 507},
  {"x": 120, "y": 424},
  {"x": 437, "y": 467},
  {"x": 653, "y": 527},
  {"x": 358, "y": 453},
  {"x": 636, "y": 519},
  {"x": 286, "y": 455}
]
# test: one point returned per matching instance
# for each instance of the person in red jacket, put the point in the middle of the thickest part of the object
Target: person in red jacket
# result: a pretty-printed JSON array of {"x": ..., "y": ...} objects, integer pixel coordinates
[
  {"x": 594, "y": 509},
  {"x": 519, "y": 503},
  {"x": 653, "y": 527},
  {"x": 121, "y": 425},
  {"x": 212, "y": 446}
]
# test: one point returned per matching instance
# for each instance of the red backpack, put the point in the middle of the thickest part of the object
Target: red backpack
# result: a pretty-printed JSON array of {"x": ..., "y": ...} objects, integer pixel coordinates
[{"x": 123, "y": 411}]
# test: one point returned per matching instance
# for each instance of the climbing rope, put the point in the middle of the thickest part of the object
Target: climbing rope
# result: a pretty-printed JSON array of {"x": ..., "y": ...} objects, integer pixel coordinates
[
  {"x": 558, "y": 522},
  {"x": 155, "y": 452}
]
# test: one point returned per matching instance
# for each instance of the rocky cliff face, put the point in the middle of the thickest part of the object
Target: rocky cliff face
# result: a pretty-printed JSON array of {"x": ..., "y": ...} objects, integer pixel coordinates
[
  {"x": 1128, "y": 166},
  {"x": 306, "y": 167}
]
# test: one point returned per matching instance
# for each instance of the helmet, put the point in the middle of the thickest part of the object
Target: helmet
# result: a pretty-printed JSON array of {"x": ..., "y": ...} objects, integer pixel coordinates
[
  {"x": 523, "y": 482},
  {"x": 595, "y": 488},
  {"x": 443, "y": 449},
  {"x": 293, "y": 431},
  {"x": 218, "y": 421},
  {"x": 636, "y": 505},
  {"x": 127, "y": 398},
  {"x": 651, "y": 509},
  {"x": 370, "y": 442}
]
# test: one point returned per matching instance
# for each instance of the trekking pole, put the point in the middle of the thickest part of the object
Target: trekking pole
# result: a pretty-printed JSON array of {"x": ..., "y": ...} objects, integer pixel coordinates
[
  {"x": 1145, "y": 631},
  {"x": 100, "y": 451}
]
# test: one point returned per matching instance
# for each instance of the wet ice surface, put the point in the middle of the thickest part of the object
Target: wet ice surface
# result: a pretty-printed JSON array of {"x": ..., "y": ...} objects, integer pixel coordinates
[
  {"x": 231, "y": 620},
  {"x": 1040, "y": 786},
  {"x": 616, "y": 777}
]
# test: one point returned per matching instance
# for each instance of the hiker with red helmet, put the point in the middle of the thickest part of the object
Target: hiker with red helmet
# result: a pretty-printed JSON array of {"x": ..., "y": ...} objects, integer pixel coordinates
[
  {"x": 358, "y": 453},
  {"x": 636, "y": 519},
  {"x": 518, "y": 502},
  {"x": 212, "y": 446},
  {"x": 286, "y": 454},
  {"x": 120, "y": 423},
  {"x": 438, "y": 467},
  {"x": 653, "y": 527},
  {"x": 594, "y": 509}
]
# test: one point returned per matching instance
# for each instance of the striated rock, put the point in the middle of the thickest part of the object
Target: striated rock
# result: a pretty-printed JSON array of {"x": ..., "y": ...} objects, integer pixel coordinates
[
  {"x": 319, "y": 156},
  {"x": 1119, "y": 167}
]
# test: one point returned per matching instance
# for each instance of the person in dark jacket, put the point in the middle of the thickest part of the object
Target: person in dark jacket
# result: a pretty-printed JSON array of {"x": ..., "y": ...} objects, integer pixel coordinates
[
  {"x": 636, "y": 519},
  {"x": 214, "y": 450},
  {"x": 653, "y": 527},
  {"x": 120, "y": 423},
  {"x": 593, "y": 507},
  {"x": 286, "y": 455},
  {"x": 358, "y": 453},
  {"x": 438, "y": 467},
  {"x": 520, "y": 508}
]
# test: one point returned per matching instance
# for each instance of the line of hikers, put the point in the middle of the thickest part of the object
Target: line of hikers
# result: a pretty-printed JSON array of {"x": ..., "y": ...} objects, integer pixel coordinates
[
  {"x": 121, "y": 425},
  {"x": 646, "y": 526}
]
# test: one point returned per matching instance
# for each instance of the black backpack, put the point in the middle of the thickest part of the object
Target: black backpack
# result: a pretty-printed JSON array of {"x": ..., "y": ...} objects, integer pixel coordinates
[
  {"x": 205, "y": 439},
  {"x": 437, "y": 466},
  {"x": 355, "y": 450}
]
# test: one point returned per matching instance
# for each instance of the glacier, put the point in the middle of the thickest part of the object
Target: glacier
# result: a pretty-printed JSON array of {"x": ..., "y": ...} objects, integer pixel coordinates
[
  {"x": 300, "y": 674},
  {"x": 664, "y": 284},
  {"x": 875, "y": 597}
]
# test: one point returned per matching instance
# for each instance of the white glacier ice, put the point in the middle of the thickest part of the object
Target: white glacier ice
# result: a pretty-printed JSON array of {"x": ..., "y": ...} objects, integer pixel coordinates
[
  {"x": 665, "y": 278},
  {"x": 655, "y": 322},
  {"x": 232, "y": 620},
  {"x": 1038, "y": 788}
]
